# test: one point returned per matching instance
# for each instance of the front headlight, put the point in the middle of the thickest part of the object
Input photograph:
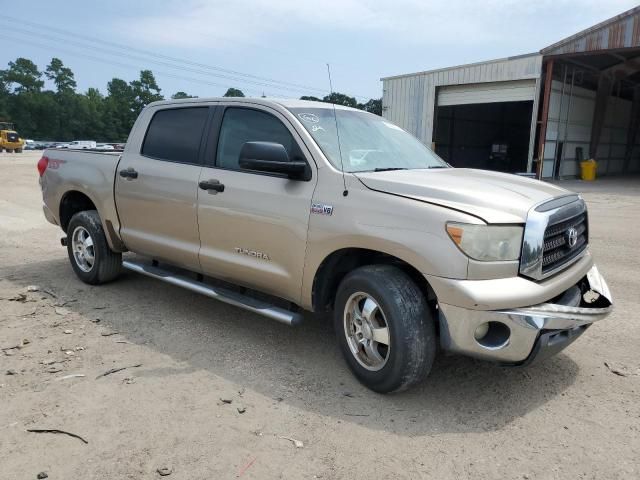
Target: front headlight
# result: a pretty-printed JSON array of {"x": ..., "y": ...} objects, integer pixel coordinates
[{"x": 487, "y": 243}]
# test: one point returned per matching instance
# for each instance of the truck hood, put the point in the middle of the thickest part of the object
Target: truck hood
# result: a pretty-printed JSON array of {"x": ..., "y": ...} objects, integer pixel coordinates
[{"x": 492, "y": 196}]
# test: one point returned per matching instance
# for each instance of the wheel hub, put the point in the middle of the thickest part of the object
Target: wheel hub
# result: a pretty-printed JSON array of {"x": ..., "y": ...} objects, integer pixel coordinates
[
  {"x": 366, "y": 331},
  {"x": 83, "y": 249}
]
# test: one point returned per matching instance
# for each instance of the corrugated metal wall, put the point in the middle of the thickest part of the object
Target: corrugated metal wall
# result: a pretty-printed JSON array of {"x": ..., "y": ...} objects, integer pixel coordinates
[
  {"x": 410, "y": 100},
  {"x": 621, "y": 31},
  {"x": 570, "y": 121},
  {"x": 613, "y": 141}
]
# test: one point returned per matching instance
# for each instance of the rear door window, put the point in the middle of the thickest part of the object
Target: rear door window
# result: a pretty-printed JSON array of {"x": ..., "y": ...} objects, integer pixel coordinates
[
  {"x": 175, "y": 134},
  {"x": 241, "y": 125}
]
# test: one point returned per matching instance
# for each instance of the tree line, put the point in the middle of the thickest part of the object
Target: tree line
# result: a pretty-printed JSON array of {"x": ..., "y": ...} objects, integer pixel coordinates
[{"x": 64, "y": 114}]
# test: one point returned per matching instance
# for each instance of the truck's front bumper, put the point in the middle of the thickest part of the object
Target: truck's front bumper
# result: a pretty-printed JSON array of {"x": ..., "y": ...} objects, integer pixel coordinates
[{"x": 521, "y": 335}]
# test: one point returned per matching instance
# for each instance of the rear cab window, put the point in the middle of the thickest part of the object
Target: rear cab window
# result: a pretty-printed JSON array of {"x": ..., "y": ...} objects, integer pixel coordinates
[{"x": 175, "y": 135}]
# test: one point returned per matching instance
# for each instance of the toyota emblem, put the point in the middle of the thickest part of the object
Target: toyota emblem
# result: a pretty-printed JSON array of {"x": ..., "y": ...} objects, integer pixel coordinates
[{"x": 572, "y": 237}]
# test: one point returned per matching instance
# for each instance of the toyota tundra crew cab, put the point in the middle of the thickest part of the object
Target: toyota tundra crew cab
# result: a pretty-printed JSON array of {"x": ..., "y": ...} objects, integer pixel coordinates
[{"x": 279, "y": 207}]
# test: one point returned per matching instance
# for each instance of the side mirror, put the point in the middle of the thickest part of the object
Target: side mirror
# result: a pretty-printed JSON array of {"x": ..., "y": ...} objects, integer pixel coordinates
[{"x": 271, "y": 157}]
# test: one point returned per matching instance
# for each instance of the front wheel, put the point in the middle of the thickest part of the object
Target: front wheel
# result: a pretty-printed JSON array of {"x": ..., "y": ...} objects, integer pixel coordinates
[
  {"x": 91, "y": 258},
  {"x": 385, "y": 328},
  {"x": 18, "y": 150}
]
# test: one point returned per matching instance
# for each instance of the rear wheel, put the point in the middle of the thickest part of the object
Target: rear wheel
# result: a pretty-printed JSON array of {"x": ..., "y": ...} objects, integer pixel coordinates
[
  {"x": 9, "y": 151},
  {"x": 385, "y": 328},
  {"x": 91, "y": 258},
  {"x": 18, "y": 150}
]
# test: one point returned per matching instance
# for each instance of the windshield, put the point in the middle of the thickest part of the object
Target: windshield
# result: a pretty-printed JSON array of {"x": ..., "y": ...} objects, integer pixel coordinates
[{"x": 367, "y": 142}]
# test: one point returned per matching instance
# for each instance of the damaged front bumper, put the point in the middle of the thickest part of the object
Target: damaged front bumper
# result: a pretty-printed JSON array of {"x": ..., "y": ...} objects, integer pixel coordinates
[{"x": 522, "y": 335}]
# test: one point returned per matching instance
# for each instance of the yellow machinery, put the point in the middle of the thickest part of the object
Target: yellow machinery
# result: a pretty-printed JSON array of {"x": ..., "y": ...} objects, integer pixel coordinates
[{"x": 10, "y": 141}]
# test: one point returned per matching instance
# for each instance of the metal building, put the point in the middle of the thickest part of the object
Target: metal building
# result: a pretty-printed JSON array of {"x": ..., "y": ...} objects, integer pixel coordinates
[{"x": 578, "y": 98}]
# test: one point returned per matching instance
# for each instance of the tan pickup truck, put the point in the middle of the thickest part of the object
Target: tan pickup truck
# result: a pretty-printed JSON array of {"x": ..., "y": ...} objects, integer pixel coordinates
[{"x": 283, "y": 206}]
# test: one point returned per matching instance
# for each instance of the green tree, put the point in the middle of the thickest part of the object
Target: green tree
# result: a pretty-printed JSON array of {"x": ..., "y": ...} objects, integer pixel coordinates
[
  {"x": 24, "y": 74},
  {"x": 4, "y": 84},
  {"x": 372, "y": 106},
  {"x": 35, "y": 114},
  {"x": 340, "y": 99},
  {"x": 311, "y": 98},
  {"x": 179, "y": 95},
  {"x": 61, "y": 76},
  {"x": 89, "y": 110},
  {"x": 4, "y": 98},
  {"x": 234, "y": 92},
  {"x": 73, "y": 116},
  {"x": 145, "y": 91},
  {"x": 118, "y": 114}
]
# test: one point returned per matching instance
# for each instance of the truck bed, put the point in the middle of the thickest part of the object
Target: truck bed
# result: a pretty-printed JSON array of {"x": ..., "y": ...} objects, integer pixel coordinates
[{"x": 81, "y": 174}]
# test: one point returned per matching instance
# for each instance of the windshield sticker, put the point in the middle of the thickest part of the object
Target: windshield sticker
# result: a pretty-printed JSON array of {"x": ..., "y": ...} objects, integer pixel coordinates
[
  {"x": 315, "y": 128},
  {"x": 391, "y": 125},
  {"x": 309, "y": 117}
]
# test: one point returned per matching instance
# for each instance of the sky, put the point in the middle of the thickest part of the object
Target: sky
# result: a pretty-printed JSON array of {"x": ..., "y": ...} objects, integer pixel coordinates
[{"x": 281, "y": 48}]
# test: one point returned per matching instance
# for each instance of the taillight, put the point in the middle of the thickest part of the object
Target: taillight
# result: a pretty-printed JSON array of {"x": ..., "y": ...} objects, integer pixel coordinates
[{"x": 43, "y": 163}]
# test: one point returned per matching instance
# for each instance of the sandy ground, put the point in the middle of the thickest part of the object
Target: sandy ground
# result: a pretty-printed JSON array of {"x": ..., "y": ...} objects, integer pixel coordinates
[{"x": 567, "y": 418}]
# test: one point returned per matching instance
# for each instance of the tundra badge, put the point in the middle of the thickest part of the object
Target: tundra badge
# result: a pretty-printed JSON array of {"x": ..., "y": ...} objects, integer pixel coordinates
[{"x": 252, "y": 253}]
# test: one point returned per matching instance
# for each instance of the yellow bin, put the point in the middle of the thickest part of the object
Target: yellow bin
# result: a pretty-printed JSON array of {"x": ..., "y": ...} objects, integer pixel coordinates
[{"x": 588, "y": 170}]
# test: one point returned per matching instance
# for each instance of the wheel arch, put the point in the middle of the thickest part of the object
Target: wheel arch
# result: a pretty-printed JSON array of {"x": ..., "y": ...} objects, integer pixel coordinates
[
  {"x": 76, "y": 200},
  {"x": 72, "y": 202},
  {"x": 339, "y": 263}
]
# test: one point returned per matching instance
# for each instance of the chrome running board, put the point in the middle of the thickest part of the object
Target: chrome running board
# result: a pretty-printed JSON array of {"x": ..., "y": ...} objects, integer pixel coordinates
[{"x": 222, "y": 294}]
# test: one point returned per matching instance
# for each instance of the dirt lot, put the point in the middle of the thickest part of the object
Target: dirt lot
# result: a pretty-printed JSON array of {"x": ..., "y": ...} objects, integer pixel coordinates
[{"x": 569, "y": 417}]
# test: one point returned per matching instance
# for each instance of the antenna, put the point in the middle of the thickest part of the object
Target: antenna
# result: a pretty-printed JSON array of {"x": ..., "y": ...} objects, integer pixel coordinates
[{"x": 335, "y": 117}]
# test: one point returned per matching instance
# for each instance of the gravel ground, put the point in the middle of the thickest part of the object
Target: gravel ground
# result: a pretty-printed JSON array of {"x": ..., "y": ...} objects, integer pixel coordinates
[{"x": 304, "y": 415}]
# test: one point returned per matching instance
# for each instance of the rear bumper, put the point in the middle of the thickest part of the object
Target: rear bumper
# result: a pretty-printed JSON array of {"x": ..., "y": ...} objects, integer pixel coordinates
[{"x": 522, "y": 335}]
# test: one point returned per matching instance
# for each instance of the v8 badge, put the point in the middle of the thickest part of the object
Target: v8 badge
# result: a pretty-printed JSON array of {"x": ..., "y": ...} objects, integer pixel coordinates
[{"x": 321, "y": 209}]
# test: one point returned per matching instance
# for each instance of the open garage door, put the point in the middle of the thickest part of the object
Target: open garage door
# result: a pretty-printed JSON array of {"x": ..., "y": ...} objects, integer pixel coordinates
[
  {"x": 591, "y": 100},
  {"x": 486, "y": 125},
  {"x": 516, "y": 91},
  {"x": 593, "y": 112}
]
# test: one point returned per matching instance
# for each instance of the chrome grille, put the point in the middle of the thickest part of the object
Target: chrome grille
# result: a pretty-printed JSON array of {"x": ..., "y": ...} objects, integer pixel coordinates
[
  {"x": 556, "y": 234},
  {"x": 557, "y": 251}
]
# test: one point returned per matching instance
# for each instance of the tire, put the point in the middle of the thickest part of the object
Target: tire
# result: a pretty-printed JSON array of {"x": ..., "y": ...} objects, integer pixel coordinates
[
  {"x": 8, "y": 150},
  {"x": 18, "y": 150},
  {"x": 92, "y": 261},
  {"x": 411, "y": 336}
]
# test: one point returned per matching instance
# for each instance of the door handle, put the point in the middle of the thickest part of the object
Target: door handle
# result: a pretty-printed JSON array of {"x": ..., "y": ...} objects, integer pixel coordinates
[
  {"x": 213, "y": 184},
  {"x": 129, "y": 173}
]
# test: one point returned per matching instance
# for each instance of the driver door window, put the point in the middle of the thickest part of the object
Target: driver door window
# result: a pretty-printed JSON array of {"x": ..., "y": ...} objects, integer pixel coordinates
[{"x": 241, "y": 125}]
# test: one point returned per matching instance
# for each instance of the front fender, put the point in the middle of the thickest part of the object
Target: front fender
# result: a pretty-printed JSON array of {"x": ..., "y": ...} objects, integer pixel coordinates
[{"x": 411, "y": 231}]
